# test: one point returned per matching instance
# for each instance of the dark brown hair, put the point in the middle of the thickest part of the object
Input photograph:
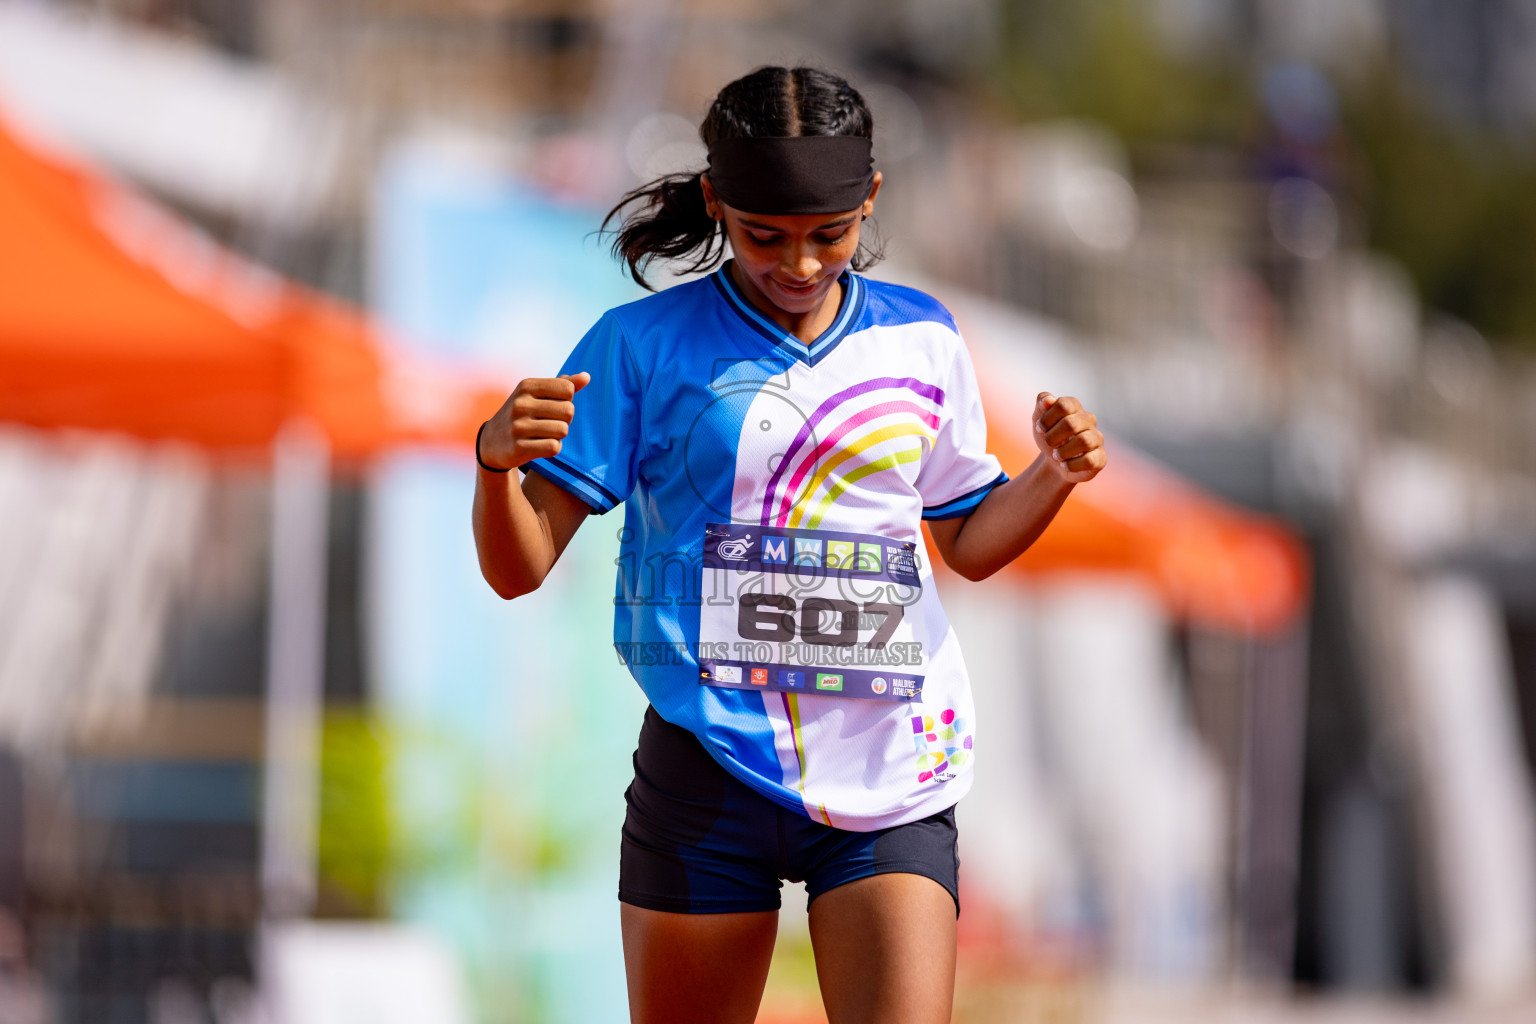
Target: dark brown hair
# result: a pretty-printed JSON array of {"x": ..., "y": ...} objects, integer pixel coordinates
[{"x": 670, "y": 220}]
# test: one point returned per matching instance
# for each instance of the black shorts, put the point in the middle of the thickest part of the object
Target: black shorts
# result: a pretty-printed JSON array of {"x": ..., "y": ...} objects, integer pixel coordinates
[{"x": 698, "y": 841}]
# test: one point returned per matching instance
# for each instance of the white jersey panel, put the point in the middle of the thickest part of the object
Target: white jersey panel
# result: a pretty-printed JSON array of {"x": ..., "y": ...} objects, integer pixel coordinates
[{"x": 841, "y": 446}]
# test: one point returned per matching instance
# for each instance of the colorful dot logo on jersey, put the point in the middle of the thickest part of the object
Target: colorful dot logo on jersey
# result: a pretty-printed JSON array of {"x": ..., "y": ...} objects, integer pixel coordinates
[
  {"x": 942, "y": 745},
  {"x": 873, "y": 426}
]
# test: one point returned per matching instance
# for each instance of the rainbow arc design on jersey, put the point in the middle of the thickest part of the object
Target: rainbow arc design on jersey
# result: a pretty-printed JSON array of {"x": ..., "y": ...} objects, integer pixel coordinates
[{"x": 873, "y": 426}]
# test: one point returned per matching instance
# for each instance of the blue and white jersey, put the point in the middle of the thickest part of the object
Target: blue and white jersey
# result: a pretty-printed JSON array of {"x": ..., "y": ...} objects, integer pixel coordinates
[{"x": 774, "y": 594}]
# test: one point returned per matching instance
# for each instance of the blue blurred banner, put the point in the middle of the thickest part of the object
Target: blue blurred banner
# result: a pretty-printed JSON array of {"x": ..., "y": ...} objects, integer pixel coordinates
[{"x": 512, "y": 724}]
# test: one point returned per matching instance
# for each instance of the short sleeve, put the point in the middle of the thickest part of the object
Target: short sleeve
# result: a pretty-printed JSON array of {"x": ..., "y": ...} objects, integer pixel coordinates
[
  {"x": 959, "y": 471},
  {"x": 599, "y": 458}
]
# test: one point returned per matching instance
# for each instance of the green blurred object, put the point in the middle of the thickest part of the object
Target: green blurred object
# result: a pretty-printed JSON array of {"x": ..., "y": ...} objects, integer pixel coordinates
[
  {"x": 1100, "y": 59},
  {"x": 1453, "y": 201},
  {"x": 355, "y": 822}
]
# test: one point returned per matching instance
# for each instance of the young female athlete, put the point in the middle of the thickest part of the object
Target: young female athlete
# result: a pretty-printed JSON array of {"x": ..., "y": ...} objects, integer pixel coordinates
[{"x": 777, "y": 432}]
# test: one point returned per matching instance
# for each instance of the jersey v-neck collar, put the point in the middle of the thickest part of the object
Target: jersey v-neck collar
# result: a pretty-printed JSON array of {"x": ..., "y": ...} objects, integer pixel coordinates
[{"x": 816, "y": 351}]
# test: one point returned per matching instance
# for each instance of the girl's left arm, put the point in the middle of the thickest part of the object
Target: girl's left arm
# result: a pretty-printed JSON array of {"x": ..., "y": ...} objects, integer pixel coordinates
[{"x": 1014, "y": 514}]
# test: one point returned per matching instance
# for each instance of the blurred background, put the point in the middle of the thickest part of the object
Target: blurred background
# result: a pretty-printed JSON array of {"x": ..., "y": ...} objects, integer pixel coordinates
[{"x": 1259, "y": 710}]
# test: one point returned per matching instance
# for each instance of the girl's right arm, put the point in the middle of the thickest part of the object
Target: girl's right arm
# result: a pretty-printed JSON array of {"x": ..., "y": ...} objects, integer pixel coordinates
[{"x": 520, "y": 531}]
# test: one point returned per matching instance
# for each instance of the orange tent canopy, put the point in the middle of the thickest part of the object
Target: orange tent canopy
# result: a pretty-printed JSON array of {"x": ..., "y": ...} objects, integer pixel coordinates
[
  {"x": 1211, "y": 563},
  {"x": 115, "y": 316}
]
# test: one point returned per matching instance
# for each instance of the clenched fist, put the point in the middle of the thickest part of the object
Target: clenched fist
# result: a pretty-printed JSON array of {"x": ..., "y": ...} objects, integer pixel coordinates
[
  {"x": 532, "y": 421},
  {"x": 1068, "y": 437}
]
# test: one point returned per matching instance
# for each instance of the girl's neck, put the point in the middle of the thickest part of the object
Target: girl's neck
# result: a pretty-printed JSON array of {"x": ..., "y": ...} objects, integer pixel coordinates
[{"x": 806, "y": 327}]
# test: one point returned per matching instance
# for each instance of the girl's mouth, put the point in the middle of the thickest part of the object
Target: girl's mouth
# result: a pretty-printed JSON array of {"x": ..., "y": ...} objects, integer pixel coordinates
[{"x": 797, "y": 290}]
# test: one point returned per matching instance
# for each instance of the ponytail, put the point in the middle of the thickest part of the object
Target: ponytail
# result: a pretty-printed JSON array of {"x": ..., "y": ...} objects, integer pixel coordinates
[{"x": 671, "y": 222}]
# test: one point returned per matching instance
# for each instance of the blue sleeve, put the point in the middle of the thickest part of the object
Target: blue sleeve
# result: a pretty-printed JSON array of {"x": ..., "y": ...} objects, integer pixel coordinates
[{"x": 599, "y": 459}]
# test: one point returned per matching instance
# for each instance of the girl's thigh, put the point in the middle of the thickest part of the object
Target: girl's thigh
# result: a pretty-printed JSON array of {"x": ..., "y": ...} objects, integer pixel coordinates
[
  {"x": 885, "y": 950},
  {"x": 704, "y": 968}
]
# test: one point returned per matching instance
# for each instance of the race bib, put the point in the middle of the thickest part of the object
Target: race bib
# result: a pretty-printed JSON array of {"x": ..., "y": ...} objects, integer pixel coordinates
[{"x": 811, "y": 611}]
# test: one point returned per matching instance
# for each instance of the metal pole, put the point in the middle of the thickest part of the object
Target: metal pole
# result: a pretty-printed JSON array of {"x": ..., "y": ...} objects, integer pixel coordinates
[{"x": 295, "y": 670}]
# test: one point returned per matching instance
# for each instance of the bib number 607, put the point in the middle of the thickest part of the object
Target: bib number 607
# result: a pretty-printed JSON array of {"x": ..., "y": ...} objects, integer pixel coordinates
[{"x": 773, "y": 617}]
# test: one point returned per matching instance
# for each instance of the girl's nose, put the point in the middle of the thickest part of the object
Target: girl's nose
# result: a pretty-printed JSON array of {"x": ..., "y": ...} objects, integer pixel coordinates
[{"x": 799, "y": 263}]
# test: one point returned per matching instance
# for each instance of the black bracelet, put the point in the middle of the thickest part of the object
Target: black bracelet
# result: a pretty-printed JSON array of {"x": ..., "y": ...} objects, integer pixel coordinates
[{"x": 488, "y": 469}]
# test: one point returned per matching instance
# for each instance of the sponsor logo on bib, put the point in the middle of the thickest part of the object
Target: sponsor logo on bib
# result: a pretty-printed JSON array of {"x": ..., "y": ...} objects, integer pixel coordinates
[
  {"x": 759, "y": 677},
  {"x": 877, "y": 684},
  {"x": 829, "y": 681},
  {"x": 840, "y": 554},
  {"x": 735, "y": 550},
  {"x": 869, "y": 559},
  {"x": 728, "y": 673}
]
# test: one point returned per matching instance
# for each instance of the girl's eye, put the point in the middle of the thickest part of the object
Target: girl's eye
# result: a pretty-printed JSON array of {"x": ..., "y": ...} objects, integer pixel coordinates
[
  {"x": 761, "y": 240},
  {"x": 832, "y": 239}
]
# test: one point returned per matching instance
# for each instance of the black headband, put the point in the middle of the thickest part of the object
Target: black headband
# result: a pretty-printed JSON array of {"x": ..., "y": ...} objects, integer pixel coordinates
[{"x": 802, "y": 174}]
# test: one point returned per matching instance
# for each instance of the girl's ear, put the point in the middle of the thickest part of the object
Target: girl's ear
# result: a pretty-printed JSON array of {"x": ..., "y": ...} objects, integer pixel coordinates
[
  {"x": 711, "y": 201},
  {"x": 874, "y": 190}
]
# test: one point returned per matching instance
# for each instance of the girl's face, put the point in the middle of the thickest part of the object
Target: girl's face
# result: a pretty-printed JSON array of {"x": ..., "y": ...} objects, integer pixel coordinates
[{"x": 791, "y": 260}]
